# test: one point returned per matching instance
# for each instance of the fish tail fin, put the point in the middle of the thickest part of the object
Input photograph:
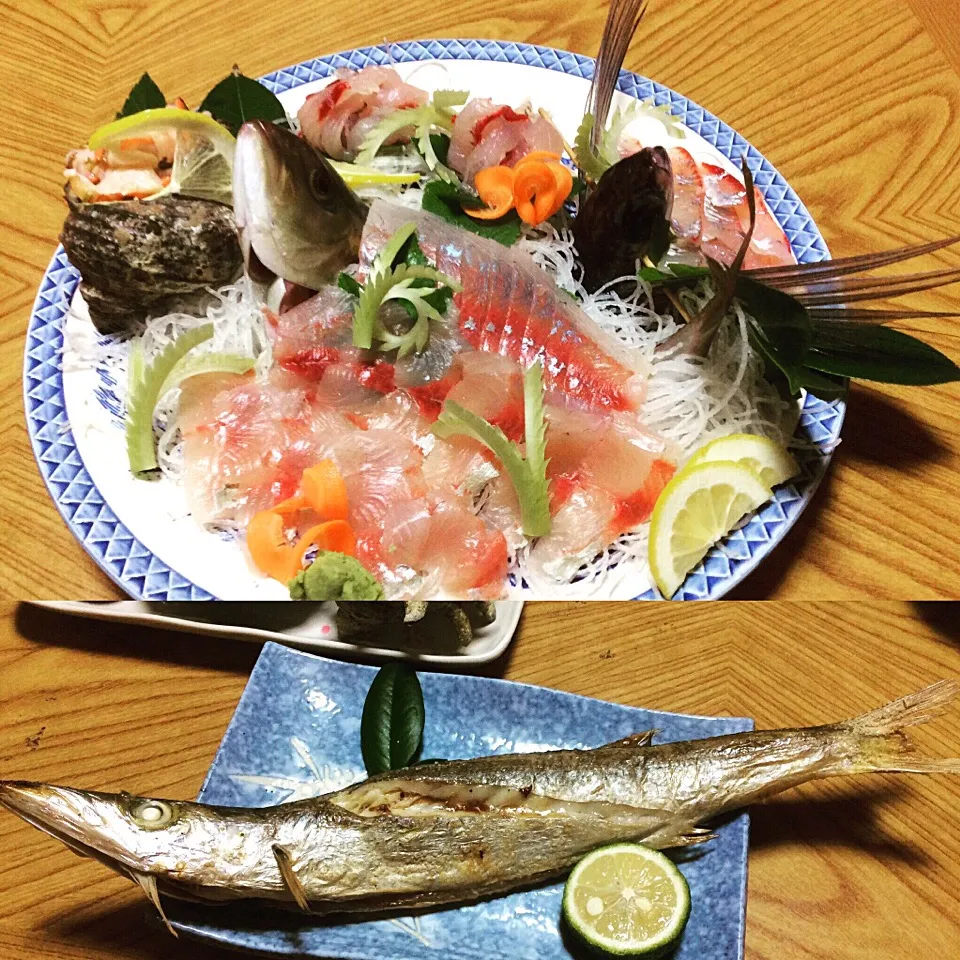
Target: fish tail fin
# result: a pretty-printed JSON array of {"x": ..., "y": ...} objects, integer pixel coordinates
[{"x": 881, "y": 741}]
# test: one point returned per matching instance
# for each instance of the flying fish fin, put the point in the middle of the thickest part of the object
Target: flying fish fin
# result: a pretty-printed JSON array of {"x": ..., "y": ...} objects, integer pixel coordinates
[{"x": 290, "y": 879}]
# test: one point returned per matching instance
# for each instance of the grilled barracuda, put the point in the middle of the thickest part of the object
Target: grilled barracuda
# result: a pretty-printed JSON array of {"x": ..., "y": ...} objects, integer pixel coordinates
[
  {"x": 461, "y": 830},
  {"x": 136, "y": 256}
]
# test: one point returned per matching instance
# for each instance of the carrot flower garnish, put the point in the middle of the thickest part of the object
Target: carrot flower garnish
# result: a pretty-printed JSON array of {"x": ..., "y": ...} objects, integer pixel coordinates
[
  {"x": 324, "y": 493},
  {"x": 537, "y": 187}
]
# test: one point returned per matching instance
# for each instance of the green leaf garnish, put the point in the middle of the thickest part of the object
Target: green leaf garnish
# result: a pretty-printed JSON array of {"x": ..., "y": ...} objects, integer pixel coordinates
[
  {"x": 391, "y": 726},
  {"x": 144, "y": 390},
  {"x": 527, "y": 474},
  {"x": 430, "y": 124},
  {"x": 422, "y": 290},
  {"x": 870, "y": 352},
  {"x": 445, "y": 201},
  {"x": 237, "y": 99},
  {"x": 595, "y": 163},
  {"x": 145, "y": 95},
  {"x": 349, "y": 284}
]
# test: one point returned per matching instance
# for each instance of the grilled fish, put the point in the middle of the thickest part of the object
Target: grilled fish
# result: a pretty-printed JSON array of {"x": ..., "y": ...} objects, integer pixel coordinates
[
  {"x": 296, "y": 217},
  {"x": 457, "y": 831}
]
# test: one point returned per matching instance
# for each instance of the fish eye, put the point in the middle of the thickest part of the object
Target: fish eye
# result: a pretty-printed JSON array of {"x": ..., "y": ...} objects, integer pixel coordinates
[
  {"x": 153, "y": 814},
  {"x": 320, "y": 187}
]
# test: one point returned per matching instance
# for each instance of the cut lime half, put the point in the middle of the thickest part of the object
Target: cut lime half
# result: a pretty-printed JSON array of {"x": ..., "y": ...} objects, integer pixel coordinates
[{"x": 627, "y": 900}]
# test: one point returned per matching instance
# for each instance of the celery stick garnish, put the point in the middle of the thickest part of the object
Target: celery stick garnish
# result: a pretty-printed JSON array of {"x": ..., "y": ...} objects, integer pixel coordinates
[
  {"x": 143, "y": 393},
  {"x": 414, "y": 283},
  {"x": 195, "y": 364},
  {"x": 527, "y": 474}
]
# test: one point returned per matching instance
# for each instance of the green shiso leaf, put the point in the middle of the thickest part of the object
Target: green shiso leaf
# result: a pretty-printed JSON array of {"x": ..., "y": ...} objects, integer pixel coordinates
[
  {"x": 445, "y": 201},
  {"x": 145, "y": 95},
  {"x": 528, "y": 476},
  {"x": 237, "y": 99},
  {"x": 145, "y": 384},
  {"x": 391, "y": 726}
]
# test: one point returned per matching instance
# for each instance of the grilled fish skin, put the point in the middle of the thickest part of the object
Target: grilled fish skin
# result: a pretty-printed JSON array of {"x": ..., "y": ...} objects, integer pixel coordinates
[
  {"x": 296, "y": 217},
  {"x": 135, "y": 256},
  {"x": 461, "y": 830}
]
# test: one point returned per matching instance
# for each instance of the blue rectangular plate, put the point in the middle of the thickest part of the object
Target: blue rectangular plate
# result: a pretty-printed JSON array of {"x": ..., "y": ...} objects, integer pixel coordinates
[{"x": 296, "y": 733}]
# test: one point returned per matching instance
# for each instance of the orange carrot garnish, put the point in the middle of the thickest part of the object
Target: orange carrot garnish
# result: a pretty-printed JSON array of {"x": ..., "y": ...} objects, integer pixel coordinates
[
  {"x": 538, "y": 186},
  {"x": 335, "y": 535},
  {"x": 535, "y": 192},
  {"x": 324, "y": 490},
  {"x": 495, "y": 187},
  {"x": 269, "y": 548}
]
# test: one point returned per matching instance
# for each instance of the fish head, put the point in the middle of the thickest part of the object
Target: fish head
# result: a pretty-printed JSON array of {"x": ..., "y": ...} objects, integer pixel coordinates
[
  {"x": 182, "y": 846},
  {"x": 296, "y": 217}
]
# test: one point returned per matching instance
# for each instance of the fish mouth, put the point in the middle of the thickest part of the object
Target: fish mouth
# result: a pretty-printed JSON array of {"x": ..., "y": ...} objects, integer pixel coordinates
[{"x": 77, "y": 818}]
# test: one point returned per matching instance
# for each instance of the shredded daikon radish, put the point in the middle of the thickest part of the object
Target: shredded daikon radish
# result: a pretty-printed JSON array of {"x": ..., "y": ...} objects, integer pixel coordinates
[{"x": 689, "y": 401}]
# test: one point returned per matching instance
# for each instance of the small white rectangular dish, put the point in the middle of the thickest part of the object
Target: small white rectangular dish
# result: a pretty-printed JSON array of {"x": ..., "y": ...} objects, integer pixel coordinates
[{"x": 309, "y": 626}]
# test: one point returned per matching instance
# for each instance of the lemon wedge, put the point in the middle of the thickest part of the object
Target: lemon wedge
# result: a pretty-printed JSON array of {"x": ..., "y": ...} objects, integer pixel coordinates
[
  {"x": 700, "y": 505},
  {"x": 203, "y": 153},
  {"x": 627, "y": 900},
  {"x": 766, "y": 458}
]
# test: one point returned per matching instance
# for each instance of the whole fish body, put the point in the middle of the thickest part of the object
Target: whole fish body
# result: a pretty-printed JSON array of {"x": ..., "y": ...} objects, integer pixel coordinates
[{"x": 465, "y": 829}]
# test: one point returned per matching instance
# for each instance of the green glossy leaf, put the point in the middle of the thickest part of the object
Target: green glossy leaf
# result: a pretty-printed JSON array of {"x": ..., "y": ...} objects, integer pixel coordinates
[
  {"x": 145, "y": 95},
  {"x": 444, "y": 200},
  {"x": 785, "y": 324},
  {"x": 868, "y": 352},
  {"x": 349, "y": 284},
  {"x": 391, "y": 727},
  {"x": 237, "y": 99}
]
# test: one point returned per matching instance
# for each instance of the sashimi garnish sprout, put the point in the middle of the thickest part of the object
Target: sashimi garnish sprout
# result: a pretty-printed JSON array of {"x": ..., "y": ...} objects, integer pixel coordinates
[
  {"x": 527, "y": 473},
  {"x": 412, "y": 283},
  {"x": 595, "y": 163},
  {"x": 145, "y": 386},
  {"x": 434, "y": 117}
]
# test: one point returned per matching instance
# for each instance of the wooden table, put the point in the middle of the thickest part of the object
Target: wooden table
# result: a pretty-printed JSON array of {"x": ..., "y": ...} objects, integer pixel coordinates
[
  {"x": 857, "y": 103},
  {"x": 844, "y": 869}
]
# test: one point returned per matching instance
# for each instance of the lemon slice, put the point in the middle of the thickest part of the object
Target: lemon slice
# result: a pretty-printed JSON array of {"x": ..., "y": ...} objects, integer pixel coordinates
[
  {"x": 627, "y": 900},
  {"x": 700, "y": 505},
  {"x": 765, "y": 457},
  {"x": 203, "y": 153}
]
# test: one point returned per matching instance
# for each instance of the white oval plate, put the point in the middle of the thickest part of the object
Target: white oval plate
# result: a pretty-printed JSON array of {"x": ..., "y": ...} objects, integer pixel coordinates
[{"x": 308, "y": 626}]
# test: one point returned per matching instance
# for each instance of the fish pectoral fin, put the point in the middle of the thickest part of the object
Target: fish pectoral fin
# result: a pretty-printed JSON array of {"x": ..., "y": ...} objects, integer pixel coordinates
[
  {"x": 148, "y": 884},
  {"x": 289, "y": 877},
  {"x": 678, "y": 835}
]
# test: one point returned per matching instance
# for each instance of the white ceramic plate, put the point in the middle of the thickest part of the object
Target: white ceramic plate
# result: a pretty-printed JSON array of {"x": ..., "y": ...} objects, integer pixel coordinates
[{"x": 309, "y": 626}]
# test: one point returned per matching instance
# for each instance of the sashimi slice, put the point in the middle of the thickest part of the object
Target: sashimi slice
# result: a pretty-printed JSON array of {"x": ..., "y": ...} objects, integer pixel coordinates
[
  {"x": 447, "y": 545},
  {"x": 687, "y": 196},
  {"x": 538, "y": 322},
  {"x": 247, "y": 443}
]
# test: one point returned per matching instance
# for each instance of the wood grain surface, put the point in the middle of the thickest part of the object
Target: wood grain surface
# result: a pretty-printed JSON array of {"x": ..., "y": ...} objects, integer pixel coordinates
[
  {"x": 857, "y": 103},
  {"x": 841, "y": 870}
]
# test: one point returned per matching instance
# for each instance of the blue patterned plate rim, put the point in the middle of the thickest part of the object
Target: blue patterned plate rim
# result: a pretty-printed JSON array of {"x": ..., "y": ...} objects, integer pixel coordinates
[
  {"x": 141, "y": 574},
  {"x": 276, "y": 700}
]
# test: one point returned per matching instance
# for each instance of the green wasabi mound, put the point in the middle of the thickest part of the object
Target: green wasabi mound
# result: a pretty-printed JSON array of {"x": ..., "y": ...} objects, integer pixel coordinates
[{"x": 335, "y": 576}]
